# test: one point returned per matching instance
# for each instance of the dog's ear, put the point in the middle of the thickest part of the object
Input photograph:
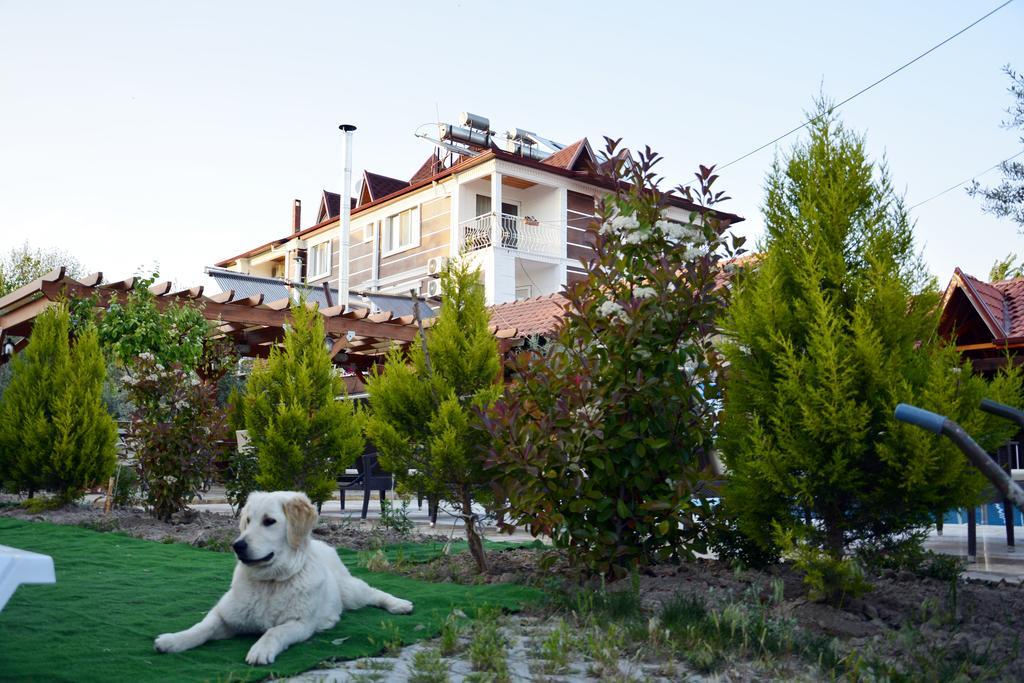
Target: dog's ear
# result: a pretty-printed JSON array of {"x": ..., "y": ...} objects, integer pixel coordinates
[{"x": 301, "y": 516}]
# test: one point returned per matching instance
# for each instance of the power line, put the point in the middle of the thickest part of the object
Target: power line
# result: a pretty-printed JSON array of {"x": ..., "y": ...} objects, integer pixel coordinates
[
  {"x": 967, "y": 180},
  {"x": 864, "y": 90}
]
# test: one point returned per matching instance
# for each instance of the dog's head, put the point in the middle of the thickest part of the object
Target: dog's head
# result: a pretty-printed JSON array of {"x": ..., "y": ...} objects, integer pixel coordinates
[{"x": 274, "y": 527}]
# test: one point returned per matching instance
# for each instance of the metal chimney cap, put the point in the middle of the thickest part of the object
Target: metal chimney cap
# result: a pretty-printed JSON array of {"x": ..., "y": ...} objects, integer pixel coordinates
[{"x": 346, "y": 127}]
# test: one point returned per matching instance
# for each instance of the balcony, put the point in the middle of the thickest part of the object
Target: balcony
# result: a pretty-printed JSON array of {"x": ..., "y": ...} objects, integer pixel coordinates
[{"x": 511, "y": 232}]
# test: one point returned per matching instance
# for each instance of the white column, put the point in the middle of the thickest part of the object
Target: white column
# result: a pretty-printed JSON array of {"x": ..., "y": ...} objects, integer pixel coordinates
[
  {"x": 456, "y": 218},
  {"x": 496, "y": 207},
  {"x": 563, "y": 216}
]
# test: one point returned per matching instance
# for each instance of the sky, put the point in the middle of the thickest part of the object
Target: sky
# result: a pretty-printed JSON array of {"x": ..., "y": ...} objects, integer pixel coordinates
[{"x": 178, "y": 133}]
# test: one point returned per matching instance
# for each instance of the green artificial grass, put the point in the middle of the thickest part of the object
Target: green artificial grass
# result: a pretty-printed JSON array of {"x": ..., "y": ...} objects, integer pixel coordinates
[{"x": 114, "y": 594}]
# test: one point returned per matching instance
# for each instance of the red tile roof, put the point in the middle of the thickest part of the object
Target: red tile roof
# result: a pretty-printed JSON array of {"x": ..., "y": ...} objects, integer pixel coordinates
[
  {"x": 430, "y": 167},
  {"x": 568, "y": 157},
  {"x": 1013, "y": 293},
  {"x": 537, "y": 315},
  {"x": 1000, "y": 305},
  {"x": 381, "y": 185},
  {"x": 329, "y": 204}
]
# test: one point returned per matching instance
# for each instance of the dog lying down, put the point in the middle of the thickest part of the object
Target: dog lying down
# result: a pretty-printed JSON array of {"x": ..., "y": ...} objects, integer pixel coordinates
[{"x": 286, "y": 585}]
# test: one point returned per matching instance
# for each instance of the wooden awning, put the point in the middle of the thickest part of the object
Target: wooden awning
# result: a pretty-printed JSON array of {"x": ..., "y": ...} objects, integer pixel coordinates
[{"x": 358, "y": 337}]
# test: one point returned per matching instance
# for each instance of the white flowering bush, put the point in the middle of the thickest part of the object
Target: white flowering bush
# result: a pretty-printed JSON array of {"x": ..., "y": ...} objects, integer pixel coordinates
[
  {"x": 602, "y": 444},
  {"x": 177, "y": 432}
]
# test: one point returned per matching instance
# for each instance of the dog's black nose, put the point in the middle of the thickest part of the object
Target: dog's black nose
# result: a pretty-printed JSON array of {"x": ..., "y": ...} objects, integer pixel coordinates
[{"x": 239, "y": 546}]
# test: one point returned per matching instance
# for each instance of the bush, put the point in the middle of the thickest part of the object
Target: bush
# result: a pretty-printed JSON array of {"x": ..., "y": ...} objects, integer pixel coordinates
[
  {"x": 303, "y": 430},
  {"x": 176, "y": 432},
  {"x": 602, "y": 443},
  {"x": 126, "y": 487},
  {"x": 55, "y": 432},
  {"x": 828, "y": 578}
]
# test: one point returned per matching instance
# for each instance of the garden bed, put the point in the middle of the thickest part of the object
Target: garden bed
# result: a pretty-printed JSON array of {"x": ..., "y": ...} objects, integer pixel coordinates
[
  {"x": 909, "y": 627},
  {"x": 202, "y": 529}
]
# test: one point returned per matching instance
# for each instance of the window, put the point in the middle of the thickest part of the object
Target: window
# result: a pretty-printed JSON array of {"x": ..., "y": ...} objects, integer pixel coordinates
[
  {"x": 402, "y": 231},
  {"x": 319, "y": 261}
]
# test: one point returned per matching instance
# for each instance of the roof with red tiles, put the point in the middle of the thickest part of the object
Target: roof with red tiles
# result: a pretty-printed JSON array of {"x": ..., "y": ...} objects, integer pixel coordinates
[
  {"x": 1013, "y": 292},
  {"x": 570, "y": 157},
  {"x": 429, "y": 168},
  {"x": 329, "y": 205},
  {"x": 381, "y": 185},
  {"x": 1000, "y": 305},
  {"x": 537, "y": 315}
]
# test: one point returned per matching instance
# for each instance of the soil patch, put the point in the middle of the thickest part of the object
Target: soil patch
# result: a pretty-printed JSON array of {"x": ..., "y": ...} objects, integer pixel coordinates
[
  {"x": 918, "y": 626},
  {"x": 205, "y": 529}
]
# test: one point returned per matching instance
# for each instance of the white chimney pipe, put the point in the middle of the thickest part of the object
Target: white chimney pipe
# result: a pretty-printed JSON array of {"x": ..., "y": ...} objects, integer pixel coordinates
[{"x": 345, "y": 216}]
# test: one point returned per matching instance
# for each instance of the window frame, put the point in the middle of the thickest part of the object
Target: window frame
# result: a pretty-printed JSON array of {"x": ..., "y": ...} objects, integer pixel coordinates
[
  {"x": 388, "y": 232},
  {"x": 311, "y": 260}
]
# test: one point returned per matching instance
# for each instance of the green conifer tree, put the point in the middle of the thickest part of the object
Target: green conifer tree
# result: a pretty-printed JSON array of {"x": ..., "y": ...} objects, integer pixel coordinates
[
  {"x": 303, "y": 435},
  {"x": 424, "y": 408},
  {"x": 833, "y": 327},
  {"x": 54, "y": 427}
]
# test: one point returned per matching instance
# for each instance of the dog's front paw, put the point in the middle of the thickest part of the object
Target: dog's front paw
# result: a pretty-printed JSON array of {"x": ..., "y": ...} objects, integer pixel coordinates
[
  {"x": 168, "y": 642},
  {"x": 399, "y": 606},
  {"x": 263, "y": 651}
]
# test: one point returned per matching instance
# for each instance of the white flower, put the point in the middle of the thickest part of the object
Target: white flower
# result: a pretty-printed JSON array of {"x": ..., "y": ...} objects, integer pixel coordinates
[
  {"x": 635, "y": 237},
  {"x": 619, "y": 223},
  {"x": 644, "y": 292},
  {"x": 609, "y": 309},
  {"x": 679, "y": 233},
  {"x": 589, "y": 412}
]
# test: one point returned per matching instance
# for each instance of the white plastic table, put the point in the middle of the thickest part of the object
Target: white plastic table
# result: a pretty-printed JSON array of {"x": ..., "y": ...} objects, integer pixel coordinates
[{"x": 21, "y": 566}]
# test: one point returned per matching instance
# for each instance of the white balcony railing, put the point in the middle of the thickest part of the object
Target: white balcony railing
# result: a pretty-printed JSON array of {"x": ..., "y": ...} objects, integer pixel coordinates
[{"x": 511, "y": 232}]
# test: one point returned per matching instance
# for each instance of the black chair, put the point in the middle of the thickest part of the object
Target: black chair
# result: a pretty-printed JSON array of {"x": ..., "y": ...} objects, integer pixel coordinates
[
  {"x": 432, "y": 502},
  {"x": 369, "y": 477}
]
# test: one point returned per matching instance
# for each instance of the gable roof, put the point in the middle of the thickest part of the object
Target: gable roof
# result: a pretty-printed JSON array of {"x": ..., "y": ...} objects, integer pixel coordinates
[
  {"x": 427, "y": 169},
  {"x": 998, "y": 305},
  {"x": 330, "y": 204},
  {"x": 575, "y": 157},
  {"x": 376, "y": 186}
]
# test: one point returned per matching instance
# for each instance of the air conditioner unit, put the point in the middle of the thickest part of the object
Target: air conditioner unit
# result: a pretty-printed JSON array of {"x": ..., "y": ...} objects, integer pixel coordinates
[
  {"x": 434, "y": 288},
  {"x": 435, "y": 265}
]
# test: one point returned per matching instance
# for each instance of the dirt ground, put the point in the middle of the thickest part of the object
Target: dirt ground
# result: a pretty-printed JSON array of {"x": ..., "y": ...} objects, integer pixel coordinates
[
  {"x": 969, "y": 628},
  {"x": 973, "y": 632},
  {"x": 205, "y": 529}
]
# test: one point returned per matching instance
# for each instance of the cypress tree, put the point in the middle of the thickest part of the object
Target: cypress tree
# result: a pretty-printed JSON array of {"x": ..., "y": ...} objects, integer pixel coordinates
[
  {"x": 834, "y": 325},
  {"x": 303, "y": 435},
  {"x": 424, "y": 408},
  {"x": 54, "y": 427}
]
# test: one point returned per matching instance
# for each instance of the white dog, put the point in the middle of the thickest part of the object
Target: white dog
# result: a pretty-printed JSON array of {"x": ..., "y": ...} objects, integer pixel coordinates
[{"x": 286, "y": 585}]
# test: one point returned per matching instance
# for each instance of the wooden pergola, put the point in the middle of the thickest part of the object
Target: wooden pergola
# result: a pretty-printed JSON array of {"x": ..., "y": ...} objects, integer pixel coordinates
[{"x": 359, "y": 338}]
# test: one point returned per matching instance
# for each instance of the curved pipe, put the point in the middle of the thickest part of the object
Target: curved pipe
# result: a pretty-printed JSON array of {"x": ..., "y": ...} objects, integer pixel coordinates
[{"x": 939, "y": 424}]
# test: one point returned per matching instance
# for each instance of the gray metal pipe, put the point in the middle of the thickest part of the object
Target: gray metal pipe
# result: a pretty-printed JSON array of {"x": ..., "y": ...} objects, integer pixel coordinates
[{"x": 939, "y": 424}]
